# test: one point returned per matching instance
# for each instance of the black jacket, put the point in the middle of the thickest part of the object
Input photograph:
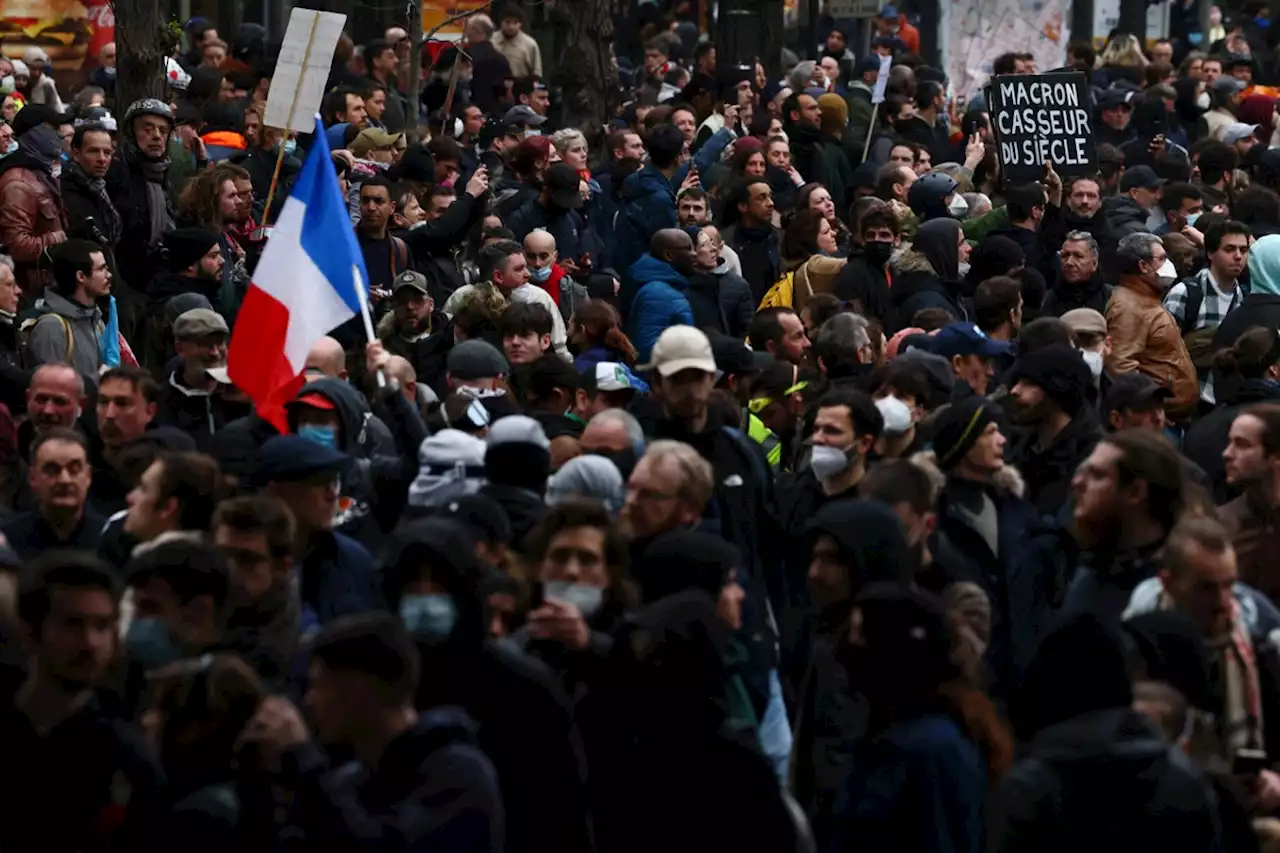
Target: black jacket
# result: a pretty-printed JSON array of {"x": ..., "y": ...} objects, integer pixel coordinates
[
  {"x": 865, "y": 284},
  {"x": 29, "y": 534},
  {"x": 1124, "y": 216},
  {"x": 666, "y": 763},
  {"x": 14, "y": 380},
  {"x": 198, "y": 413},
  {"x": 1206, "y": 439},
  {"x": 432, "y": 789},
  {"x": 1104, "y": 780},
  {"x": 112, "y": 800},
  {"x": 1257, "y": 309},
  {"x": 1048, "y": 471},
  {"x": 1064, "y": 297}
]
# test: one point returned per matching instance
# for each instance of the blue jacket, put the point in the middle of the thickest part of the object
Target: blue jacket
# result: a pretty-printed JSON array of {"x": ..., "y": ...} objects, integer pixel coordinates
[
  {"x": 659, "y": 303},
  {"x": 919, "y": 786},
  {"x": 339, "y": 578},
  {"x": 648, "y": 206}
]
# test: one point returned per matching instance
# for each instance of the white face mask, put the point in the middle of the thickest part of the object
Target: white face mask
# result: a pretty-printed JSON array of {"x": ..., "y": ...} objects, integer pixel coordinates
[
  {"x": 1094, "y": 360},
  {"x": 1167, "y": 274},
  {"x": 828, "y": 462},
  {"x": 896, "y": 414},
  {"x": 958, "y": 206},
  {"x": 1202, "y": 101},
  {"x": 963, "y": 269}
]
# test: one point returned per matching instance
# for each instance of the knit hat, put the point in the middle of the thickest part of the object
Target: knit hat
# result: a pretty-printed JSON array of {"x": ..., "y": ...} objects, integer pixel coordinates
[
  {"x": 591, "y": 478},
  {"x": 1060, "y": 372},
  {"x": 450, "y": 466},
  {"x": 960, "y": 427},
  {"x": 518, "y": 453},
  {"x": 183, "y": 247},
  {"x": 835, "y": 113}
]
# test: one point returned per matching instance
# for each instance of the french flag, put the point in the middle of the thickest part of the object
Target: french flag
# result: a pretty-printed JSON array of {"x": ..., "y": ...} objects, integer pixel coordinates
[{"x": 310, "y": 280}]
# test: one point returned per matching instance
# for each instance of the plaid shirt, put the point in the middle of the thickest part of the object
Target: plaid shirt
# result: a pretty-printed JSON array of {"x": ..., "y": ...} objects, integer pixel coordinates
[{"x": 1211, "y": 313}]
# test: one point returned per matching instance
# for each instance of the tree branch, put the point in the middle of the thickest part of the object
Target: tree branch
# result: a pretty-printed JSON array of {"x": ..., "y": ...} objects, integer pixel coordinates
[{"x": 467, "y": 13}]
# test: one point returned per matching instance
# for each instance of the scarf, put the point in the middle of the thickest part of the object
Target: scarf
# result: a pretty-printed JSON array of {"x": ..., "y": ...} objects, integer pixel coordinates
[
  {"x": 154, "y": 171},
  {"x": 1237, "y": 668},
  {"x": 111, "y": 226}
]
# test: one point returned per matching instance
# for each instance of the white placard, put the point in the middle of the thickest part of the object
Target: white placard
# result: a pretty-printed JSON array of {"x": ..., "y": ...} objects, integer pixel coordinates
[
  {"x": 882, "y": 81},
  {"x": 297, "y": 87}
]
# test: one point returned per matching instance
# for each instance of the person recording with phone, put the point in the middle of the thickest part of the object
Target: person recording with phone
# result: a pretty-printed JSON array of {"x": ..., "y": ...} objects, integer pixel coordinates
[{"x": 1151, "y": 124}]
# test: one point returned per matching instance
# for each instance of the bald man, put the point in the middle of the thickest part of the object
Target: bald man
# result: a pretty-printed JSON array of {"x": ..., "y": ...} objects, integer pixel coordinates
[{"x": 326, "y": 358}]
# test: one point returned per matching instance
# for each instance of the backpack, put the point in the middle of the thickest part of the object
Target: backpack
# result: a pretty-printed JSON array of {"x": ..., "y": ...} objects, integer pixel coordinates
[
  {"x": 28, "y": 325},
  {"x": 1199, "y": 342}
]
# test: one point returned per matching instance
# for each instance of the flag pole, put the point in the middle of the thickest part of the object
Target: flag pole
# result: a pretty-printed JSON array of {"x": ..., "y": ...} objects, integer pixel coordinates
[
  {"x": 363, "y": 298},
  {"x": 293, "y": 108}
]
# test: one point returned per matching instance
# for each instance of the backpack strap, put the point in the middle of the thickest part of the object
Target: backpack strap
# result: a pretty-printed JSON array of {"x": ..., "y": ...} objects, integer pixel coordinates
[
  {"x": 1195, "y": 298},
  {"x": 29, "y": 326},
  {"x": 399, "y": 256}
]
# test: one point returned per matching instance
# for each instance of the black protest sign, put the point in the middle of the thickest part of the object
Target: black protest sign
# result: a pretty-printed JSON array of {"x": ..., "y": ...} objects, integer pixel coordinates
[{"x": 1042, "y": 118}]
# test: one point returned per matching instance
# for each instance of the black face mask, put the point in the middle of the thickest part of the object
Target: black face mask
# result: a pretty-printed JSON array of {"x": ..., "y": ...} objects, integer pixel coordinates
[
  {"x": 624, "y": 460},
  {"x": 878, "y": 252}
]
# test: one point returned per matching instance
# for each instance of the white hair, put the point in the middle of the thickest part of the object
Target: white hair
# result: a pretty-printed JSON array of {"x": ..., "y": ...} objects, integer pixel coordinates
[
  {"x": 565, "y": 138},
  {"x": 631, "y": 426},
  {"x": 480, "y": 23}
]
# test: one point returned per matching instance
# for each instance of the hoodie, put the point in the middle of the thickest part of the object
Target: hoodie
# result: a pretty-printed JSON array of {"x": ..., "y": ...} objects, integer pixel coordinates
[
  {"x": 75, "y": 337},
  {"x": 660, "y": 301}
]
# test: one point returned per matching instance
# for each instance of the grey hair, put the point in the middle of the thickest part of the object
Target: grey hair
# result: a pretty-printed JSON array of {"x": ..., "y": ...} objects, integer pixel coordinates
[
  {"x": 800, "y": 75},
  {"x": 481, "y": 23},
  {"x": 1135, "y": 249},
  {"x": 635, "y": 433},
  {"x": 697, "y": 480},
  {"x": 844, "y": 333},
  {"x": 979, "y": 204},
  {"x": 564, "y": 138},
  {"x": 1084, "y": 237}
]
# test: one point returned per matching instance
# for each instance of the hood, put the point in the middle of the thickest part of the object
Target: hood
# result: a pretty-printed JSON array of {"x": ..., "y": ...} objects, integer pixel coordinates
[
  {"x": 649, "y": 268},
  {"x": 1116, "y": 743},
  {"x": 908, "y": 260},
  {"x": 55, "y": 303},
  {"x": 1079, "y": 668},
  {"x": 938, "y": 240},
  {"x": 870, "y": 539},
  {"x": 1007, "y": 479},
  {"x": 450, "y": 466},
  {"x": 1122, "y": 210},
  {"x": 351, "y": 408},
  {"x": 1264, "y": 265},
  {"x": 645, "y": 183},
  {"x": 667, "y": 665},
  {"x": 448, "y": 547}
]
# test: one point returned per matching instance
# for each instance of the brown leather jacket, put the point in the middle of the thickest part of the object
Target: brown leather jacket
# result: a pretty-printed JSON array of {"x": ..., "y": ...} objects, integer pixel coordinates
[
  {"x": 32, "y": 219},
  {"x": 1257, "y": 541},
  {"x": 1145, "y": 337}
]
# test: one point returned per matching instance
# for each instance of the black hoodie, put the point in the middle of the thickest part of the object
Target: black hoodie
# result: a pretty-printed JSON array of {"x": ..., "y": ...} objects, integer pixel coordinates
[
  {"x": 524, "y": 717},
  {"x": 1097, "y": 774},
  {"x": 669, "y": 772}
]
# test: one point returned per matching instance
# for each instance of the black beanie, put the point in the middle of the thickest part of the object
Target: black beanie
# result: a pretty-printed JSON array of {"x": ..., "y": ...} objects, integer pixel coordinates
[
  {"x": 184, "y": 246},
  {"x": 960, "y": 427},
  {"x": 1060, "y": 372}
]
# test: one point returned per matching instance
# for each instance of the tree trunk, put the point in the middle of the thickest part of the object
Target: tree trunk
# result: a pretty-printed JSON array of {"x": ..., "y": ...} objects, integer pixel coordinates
[
  {"x": 586, "y": 74},
  {"x": 143, "y": 40}
]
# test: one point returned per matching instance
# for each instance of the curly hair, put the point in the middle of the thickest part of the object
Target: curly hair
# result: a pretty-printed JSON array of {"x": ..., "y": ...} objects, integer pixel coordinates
[{"x": 200, "y": 200}]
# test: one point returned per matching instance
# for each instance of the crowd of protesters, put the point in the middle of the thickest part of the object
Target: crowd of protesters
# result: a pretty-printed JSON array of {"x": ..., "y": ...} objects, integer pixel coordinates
[{"x": 763, "y": 473}]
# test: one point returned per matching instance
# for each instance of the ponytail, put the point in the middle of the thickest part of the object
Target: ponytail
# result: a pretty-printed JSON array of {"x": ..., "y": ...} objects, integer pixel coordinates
[
  {"x": 616, "y": 339},
  {"x": 977, "y": 717}
]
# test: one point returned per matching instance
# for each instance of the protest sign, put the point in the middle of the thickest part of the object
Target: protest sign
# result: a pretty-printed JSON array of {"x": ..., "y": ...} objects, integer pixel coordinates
[
  {"x": 1042, "y": 118},
  {"x": 297, "y": 86}
]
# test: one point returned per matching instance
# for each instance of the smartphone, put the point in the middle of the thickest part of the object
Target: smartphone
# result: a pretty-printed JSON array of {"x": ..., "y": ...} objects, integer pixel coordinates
[
  {"x": 960, "y": 99},
  {"x": 1248, "y": 762}
]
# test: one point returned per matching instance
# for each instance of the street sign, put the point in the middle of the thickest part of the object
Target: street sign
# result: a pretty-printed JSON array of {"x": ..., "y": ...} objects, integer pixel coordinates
[{"x": 854, "y": 8}]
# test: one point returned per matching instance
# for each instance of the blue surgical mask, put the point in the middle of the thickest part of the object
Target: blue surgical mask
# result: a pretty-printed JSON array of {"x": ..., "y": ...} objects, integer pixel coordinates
[
  {"x": 539, "y": 275},
  {"x": 430, "y": 616},
  {"x": 588, "y": 599},
  {"x": 290, "y": 146},
  {"x": 1192, "y": 217},
  {"x": 532, "y": 132},
  {"x": 150, "y": 643},
  {"x": 322, "y": 435}
]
